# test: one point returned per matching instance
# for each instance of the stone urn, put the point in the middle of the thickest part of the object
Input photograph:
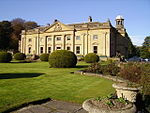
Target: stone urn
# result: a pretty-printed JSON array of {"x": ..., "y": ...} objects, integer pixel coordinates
[
  {"x": 90, "y": 107},
  {"x": 126, "y": 92}
]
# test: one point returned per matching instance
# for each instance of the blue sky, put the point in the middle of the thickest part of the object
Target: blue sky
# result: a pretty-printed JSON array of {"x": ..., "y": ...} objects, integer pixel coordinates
[{"x": 135, "y": 12}]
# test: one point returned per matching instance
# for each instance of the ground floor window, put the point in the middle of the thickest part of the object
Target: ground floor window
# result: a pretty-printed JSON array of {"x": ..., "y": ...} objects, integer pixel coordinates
[
  {"x": 49, "y": 49},
  {"x": 58, "y": 48},
  {"x": 77, "y": 49},
  {"x": 94, "y": 49},
  {"x": 41, "y": 49},
  {"x": 68, "y": 48},
  {"x": 29, "y": 50}
]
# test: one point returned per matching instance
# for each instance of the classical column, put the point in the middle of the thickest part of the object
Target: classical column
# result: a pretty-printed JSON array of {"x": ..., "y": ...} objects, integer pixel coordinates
[
  {"x": 53, "y": 44},
  {"x": 73, "y": 41},
  {"x": 25, "y": 45},
  {"x": 46, "y": 44},
  {"x": 21, "y": 45},
  {"x": 63, "y": 44}
]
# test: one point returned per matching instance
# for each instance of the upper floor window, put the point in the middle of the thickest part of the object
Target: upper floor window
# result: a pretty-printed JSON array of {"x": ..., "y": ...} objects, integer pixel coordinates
[
  {"x": 94, "y": 49},
  {"x": 77, "y": 37},
  {"x": 68, "y": 38},
  {"x": 49, "y": 39},
  {"x": 95, "y": 37},
  {"x": 58, "y": 38},
  {"x": 30, "y": 40}
]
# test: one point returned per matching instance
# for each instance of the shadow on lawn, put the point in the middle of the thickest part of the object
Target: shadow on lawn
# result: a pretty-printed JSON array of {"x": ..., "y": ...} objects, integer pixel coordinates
[
  {"x": 19, "y": 75},
  {"x": 82, "y": 66}
]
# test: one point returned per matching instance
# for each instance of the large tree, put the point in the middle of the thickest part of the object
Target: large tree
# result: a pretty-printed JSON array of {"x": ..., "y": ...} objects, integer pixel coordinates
[
  {"x": 145, "y": 49},
  {"x": 5, "y": 34},
  {"x": 30, "y": 25},
  {"x": 18, "y": 25}
]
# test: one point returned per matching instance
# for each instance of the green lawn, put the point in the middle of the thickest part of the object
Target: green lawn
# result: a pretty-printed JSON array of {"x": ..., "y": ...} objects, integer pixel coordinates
[{"x": 25, "y": 82}]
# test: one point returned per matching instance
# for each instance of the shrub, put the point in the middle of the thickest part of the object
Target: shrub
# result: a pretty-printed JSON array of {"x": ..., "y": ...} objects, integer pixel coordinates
[
  {"x": 62, "y": 59},
  {"x": 5, "y": 57},
  {"x": 80, "y": 57},
  {"x": 111, "y": 69},
  {"x": 44, "y": 57},
  {"x": 131, "y": 72},
  {"x": 91, "y": 58},
  {"x": 95, "y": 68},
  {"x": 20, "y": 56},
  {"x": 145, "y": 78}
]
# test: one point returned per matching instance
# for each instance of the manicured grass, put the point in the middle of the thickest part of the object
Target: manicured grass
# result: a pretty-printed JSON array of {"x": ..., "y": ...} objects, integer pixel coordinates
[{"x": 26, "y": 82}]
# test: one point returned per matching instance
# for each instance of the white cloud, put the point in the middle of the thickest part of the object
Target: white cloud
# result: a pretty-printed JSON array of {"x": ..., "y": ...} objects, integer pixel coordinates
[{"x": 137, "y": 40}]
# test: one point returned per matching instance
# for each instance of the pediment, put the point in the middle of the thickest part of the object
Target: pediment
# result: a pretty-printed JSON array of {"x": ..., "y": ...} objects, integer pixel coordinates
[
  {"x": 58, "y": 26},
  {"x": 94, "y": 43}
]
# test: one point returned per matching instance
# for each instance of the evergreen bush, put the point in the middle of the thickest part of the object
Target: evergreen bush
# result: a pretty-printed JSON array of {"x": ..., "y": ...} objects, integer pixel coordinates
[
  {"x": 91, "y": 58},
  {"x": 5, "y": 57},
  {"x": 62, "y": 59},
  {"x": 44, "y": 57},
  {"x": 20, "y": 56}
]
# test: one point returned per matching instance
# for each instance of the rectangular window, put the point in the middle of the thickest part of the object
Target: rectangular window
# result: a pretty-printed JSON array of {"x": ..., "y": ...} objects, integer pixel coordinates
[
  {"x": 49, "y": 39},
  {"x": 77, "y": 37},
  {"x": 30, "y": 40},
  {"x": 95, "y": 37},
  {"x": 68, "y": 48},
  {"x": 68, "y": 38},
  {"x": 95, "y": 49},
  {"x": 49, "y": 49},
  {"x": 41, "y": 49},
  {"x": 58, "y": 48},
  {"x": 29, "y": 50},
  {"x": 77, "y": 49},
  {"x": 58, "y": 38}
]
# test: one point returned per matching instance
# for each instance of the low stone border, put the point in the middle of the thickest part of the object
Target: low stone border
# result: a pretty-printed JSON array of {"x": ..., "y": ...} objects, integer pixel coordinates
[{"x": 113, "y": 78}]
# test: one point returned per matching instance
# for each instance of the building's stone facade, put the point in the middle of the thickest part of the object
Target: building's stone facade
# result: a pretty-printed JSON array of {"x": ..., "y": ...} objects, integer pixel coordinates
[{"x": 81, "y": 38}]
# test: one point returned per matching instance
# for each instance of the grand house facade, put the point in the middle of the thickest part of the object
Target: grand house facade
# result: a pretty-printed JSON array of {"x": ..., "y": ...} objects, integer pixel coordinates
[{"x": 81, "y": 38}]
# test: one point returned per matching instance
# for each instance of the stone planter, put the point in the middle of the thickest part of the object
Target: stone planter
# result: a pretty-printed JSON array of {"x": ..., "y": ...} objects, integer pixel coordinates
[
  {"x": 91, "y": 108},
  {"x": 128, "y": 93}
]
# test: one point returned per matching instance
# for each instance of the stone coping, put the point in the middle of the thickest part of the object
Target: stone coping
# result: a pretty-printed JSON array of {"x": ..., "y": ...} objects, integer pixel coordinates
[
  {"x": 123, "y": 87},
  {"x": 113, "y": 78}
]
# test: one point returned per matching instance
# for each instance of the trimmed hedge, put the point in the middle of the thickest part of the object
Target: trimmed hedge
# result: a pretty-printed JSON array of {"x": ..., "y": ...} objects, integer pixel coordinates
[
  {"x": 62, "y": 59},
  {"x": 44, "y": 57},
  {"x": 91, "y": 58},
  {"x": 20, "y": 56},
  {"x": 5, "y": 57}
]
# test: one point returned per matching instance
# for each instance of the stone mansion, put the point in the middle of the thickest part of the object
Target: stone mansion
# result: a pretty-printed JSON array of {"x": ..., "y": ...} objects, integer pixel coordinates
[{"x": 81, "y": 38}]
